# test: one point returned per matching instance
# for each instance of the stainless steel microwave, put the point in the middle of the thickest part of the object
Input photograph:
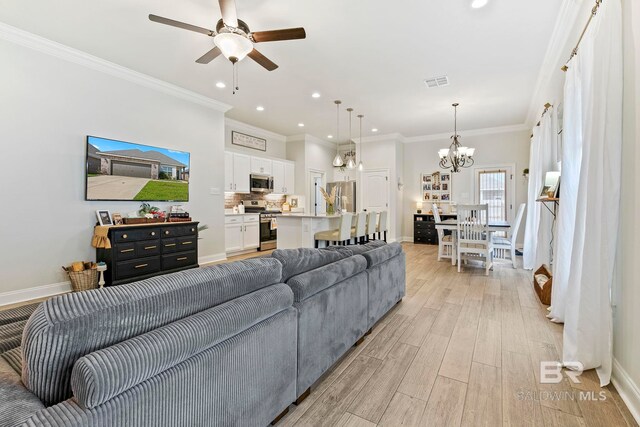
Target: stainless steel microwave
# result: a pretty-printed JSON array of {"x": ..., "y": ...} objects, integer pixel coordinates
[{"x": 261, "y": 183}]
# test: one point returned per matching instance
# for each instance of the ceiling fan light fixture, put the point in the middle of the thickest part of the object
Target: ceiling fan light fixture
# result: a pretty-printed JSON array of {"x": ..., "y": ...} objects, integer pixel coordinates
[{"x": 233, "y": 46}]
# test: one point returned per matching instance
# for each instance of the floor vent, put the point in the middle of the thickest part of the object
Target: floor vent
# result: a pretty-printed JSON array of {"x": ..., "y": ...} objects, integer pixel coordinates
[{"x": 437, "y": 82}]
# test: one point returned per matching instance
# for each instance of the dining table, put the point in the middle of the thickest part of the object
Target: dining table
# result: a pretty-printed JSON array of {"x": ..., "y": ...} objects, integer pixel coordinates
[{"x": 452, "y": 225}]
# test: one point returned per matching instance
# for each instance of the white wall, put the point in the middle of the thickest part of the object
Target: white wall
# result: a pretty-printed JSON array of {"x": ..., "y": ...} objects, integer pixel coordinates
[
  {"x": 48, "y": 107},
  {"x": 626, "y": 292},
  {"x": 493, "y": 149},
  {"x": 276, "y": 143}
]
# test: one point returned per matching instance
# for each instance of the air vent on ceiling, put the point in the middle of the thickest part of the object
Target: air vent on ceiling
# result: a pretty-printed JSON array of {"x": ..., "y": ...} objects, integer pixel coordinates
[{"x": 437, "y": 81}]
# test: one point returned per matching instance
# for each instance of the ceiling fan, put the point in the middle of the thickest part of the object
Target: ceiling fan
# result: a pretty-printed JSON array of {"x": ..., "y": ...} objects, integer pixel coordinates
[{"x": 232, "y": 37}]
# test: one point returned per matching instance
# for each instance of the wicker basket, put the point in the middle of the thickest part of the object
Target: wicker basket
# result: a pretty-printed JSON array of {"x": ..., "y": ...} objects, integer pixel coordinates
[
  {"x": 83, "y": 280},
  {"x": 544, "y": 294}
]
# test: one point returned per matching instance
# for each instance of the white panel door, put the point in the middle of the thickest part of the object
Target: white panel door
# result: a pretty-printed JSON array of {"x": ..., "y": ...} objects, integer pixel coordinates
[
  {"x": 233, "y": 237},
  {"x": 251, "y": 235},
  {"x": 278, "y": 177},
  {"x": 289, "y": 178},
  {"x": 241, "y": 172},
  {"x": 375, "y": 190},
  {"x": 260, "y": 166},
  {"x": 228, "y": 171}
]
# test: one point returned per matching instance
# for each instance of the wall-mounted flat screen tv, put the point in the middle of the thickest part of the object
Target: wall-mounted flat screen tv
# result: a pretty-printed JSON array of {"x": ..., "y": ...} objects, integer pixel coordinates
[{"x": 118, "y": 170}]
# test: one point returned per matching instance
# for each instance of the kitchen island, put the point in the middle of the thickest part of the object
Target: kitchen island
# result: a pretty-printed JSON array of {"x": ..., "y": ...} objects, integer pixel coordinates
[{"x": 296, "y": 230}]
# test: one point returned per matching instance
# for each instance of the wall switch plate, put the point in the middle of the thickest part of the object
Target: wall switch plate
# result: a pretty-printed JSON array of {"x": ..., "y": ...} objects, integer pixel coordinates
[{"x": 215, "y": 191}]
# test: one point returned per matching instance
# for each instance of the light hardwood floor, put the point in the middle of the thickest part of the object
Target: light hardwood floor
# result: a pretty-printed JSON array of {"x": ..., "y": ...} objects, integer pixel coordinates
[{"x": 461, "y": 349}]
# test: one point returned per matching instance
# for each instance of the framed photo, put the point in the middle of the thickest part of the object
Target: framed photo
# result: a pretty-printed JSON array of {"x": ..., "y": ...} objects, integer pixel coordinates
[
  {"x": 445, "y": 186},
  {"x": 248, "y": 141},
  {"x": 117, "y": 219},
  {"x": 444, "y": 197},
  {"x": 427, "y": 196},
  {"x": 445, "y": 177},
  {"x": 104, "y": 217}
]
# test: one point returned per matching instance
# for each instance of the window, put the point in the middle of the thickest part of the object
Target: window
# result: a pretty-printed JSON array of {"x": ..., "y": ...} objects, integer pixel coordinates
[{"x": 492, "y": 190}]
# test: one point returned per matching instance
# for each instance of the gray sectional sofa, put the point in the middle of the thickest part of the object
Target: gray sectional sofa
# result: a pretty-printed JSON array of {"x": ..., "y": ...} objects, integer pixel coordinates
[{"x": 232, "y": 344}]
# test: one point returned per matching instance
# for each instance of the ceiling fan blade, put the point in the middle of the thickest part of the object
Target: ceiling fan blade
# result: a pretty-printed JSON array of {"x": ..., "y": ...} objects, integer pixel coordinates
[
  {"x": 262, "y": 60},
  {"x": 184, "y": 26},
  {"x": 279, "y": 35},
  {"x": 209, "y": 56},
  {"x": 229, "y": 15}
]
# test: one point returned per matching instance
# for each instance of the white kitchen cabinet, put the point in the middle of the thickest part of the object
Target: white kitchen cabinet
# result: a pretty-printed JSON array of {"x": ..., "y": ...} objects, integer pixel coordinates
[
  {"x": 228, "y": 171},
  {"x": 234, "y": 236},
  {"x": 242, "y": 232},
  {"x": 261, "y": 166},
  {"x": 251, "y": 235},
  {"x": 283, "y": 177},
  {"x": 289, "y": 178}
]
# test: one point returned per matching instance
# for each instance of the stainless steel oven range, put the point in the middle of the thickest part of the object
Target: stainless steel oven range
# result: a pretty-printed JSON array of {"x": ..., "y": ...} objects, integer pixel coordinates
[{"x": 268, "y": 227}]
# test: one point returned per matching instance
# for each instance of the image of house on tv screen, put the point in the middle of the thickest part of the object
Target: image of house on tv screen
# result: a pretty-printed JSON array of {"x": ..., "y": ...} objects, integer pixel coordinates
[{"x": 119, "y": 170}]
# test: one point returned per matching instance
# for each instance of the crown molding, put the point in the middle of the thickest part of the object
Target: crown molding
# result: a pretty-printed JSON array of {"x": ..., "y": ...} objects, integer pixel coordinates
[
  {"x": 554, "y": 57},
  {"x": 242, "y": 126},
  {"x": 66, "y": 53},
  {"x": 467, "y": 133}
]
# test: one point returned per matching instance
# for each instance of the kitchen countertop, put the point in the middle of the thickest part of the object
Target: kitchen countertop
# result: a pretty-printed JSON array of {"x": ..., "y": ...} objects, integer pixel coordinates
[
  {"x": 240, "y": 214},
  {"x": 305, "y": 215}
]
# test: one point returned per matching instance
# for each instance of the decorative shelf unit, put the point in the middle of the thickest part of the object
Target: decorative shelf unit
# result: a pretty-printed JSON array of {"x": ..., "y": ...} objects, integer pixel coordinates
[{"x": 554, "y": 201}]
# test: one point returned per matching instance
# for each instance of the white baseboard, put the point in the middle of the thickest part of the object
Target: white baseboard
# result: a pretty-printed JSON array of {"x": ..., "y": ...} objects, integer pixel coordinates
[
  {"x": 408, "y": 239},
  {"x": 13, "y": 297},
  {"x": 627, "y": 388},
  {"x": 203, "y": 260}
]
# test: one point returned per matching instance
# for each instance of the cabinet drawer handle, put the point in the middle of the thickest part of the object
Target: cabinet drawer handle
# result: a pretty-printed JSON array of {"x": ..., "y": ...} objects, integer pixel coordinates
[
  {"x": 124, "y": 236},
  {"x": 153, "y": 233},
  {"x": 181, "y": 258},
  {"x": 146, "y": 248},
  {"x": 141, "y": 265},
  {"x": 187, "y": 243},
  {"x": 193, "y": 229},
  {"x": 166, "y": 232},
  {"x": 169, "y": 244},
  {"x": 126, "y": 250}
]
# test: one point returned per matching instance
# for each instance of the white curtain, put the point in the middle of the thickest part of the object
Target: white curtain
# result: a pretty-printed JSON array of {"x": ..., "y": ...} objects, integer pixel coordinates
[
  {"x": 537, "y": 233},
  {"x": 588, "y": 317}
]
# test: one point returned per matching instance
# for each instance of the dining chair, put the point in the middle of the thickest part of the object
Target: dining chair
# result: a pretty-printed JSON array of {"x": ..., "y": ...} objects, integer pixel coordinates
[
  {"x": 503, "y": 246},
  {"x": 382, "y": 225},
  {"x": 445, "y": 242},
  {"x": 341, "y": 235},
  {"x": 372, "y": 224},
  {"x": 473, "y": 235},
  {"x": 359, "y": 232}
]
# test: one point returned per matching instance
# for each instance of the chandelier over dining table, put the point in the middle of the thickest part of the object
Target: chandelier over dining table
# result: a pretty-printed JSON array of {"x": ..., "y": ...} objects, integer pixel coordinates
[{"x": 456, "y": 156}]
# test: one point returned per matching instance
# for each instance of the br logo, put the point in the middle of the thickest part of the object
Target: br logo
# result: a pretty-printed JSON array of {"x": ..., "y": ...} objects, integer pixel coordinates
[{"x": 551, "y": 372}]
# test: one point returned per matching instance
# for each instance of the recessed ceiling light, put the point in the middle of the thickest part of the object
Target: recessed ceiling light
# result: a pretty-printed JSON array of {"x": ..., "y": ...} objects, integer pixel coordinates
[
  {"x": 301, "y": 125},
  {"x": 330, "y": 136},
  {"x": 374, "y": 130},
  {"x": 221, "y": 85},
  {"x": 477, "y": 4},
  {"x": 260, "y": 108},
  {"x": 315, "y": 95}
]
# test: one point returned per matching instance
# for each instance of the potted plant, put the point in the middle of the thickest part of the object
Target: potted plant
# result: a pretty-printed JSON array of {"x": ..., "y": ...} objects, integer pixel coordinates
[
  {"x": 525, "y": 173},
  {"x": 330, "y": 199}
]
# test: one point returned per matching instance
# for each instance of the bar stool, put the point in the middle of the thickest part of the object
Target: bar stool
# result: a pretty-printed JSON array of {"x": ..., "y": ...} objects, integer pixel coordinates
[
  {"x": 382, "y": 225},
  {"x": 360, "y": 230},
  {"x": 372, "y": 219},
  {"x": 342, "y": 235}
]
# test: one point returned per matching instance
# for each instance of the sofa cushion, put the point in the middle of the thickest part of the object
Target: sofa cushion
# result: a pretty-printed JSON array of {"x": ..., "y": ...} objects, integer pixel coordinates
[
  {"x": 106, "y": 373},
  {"x": 297, "y": 261},
  {"x": 383, "y": 253},
  {"x": 67, "y": 327},
  {"x": 311, "y": 282},
  {"x": 361, "y": 249}
]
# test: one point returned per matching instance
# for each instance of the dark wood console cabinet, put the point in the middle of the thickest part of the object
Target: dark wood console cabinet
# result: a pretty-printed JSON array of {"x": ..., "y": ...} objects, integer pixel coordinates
[
  {"x": 142, "y": 251},
  {"x": 424, "y": 228}
]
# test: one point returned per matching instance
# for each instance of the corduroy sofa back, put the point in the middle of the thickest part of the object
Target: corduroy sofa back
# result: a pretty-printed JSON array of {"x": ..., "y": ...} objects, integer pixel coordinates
[{"x": 68, "y": 327}]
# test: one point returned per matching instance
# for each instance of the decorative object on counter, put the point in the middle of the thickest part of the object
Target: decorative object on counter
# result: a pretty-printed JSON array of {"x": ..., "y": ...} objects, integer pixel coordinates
[
  {"x": 337, "y": 160},
  {"x": 104, "y": 217},
  {"x": 248, "y": 141},
  {"x": 330, "y": 199},
  {"x": 456, "y": 156},
  {"x": 360, "y": 164},
  {"x": 286, "y": 207},
  {"x": 419, "y": 207},
  {"x": 117, "y": 219},
  {"x": 83, "y": 275}
]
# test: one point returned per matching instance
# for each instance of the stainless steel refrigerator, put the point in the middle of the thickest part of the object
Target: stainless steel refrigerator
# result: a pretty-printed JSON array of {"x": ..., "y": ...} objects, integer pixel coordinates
[{"x": 345, "y": 195}]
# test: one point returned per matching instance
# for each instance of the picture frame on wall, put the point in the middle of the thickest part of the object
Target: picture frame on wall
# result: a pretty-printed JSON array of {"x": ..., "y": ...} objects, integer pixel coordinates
[
  {"x": 248, "y": 141},
  {"x": 104, "y": 217},
  {"x": 436, "y": 187}
]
